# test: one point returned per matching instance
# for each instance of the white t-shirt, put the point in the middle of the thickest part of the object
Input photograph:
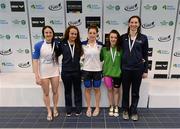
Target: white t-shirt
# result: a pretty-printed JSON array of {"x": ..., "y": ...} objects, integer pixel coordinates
[
  {"x": 47, "y": 67},
  {"x": 91, "y": 57}
]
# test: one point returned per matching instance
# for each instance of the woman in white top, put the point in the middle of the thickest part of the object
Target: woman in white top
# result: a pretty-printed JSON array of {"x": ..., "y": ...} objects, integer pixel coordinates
[
  {"x": 92, "y": 69},
  {"x": 46, "y": 69}
]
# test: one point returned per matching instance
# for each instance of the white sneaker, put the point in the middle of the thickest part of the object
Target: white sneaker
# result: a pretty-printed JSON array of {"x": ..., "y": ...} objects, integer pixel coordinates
[
  {"x": 116, "y": 111},
  {"x": 111, "y": 109}
]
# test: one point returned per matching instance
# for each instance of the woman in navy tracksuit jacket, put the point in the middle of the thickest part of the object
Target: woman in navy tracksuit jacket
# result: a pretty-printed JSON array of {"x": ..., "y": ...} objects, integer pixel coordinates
[
  {"x": 71, "y": 50},
  {"x": 134, "y": 65}
]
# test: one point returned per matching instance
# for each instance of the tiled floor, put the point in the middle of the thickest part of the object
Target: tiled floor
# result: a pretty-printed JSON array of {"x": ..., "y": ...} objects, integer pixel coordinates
[{"x": 35, "y": 117}]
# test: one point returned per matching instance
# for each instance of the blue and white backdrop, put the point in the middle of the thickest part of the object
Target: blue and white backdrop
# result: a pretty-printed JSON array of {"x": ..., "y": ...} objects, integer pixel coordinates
[{"x": 21, "y": 22}]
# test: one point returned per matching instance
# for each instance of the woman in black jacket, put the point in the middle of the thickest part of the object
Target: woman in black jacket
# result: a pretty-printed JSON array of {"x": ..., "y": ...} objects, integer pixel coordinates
[
  {"x": 134, "y": 65},
  {"x": 71, "y": 50}
]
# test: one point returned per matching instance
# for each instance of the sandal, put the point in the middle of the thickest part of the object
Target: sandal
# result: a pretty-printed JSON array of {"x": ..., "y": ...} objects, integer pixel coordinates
[
  {"x": 55, "y": 114},
  {"x": 96, "y": 112},
  {"x": 49, "y": 118},
  {"x": 88, "y": 112}
]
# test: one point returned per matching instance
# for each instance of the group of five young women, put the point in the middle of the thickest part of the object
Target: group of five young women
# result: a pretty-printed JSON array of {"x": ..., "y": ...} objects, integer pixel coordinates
[{"x": 123, "y": 59}]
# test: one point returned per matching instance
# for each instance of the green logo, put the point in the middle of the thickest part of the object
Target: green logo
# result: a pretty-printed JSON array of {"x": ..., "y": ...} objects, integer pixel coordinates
[
  {"x": 171, "y": 23},
  {"x": 8, "y": 37},
  {"x": 93, "y": 6},
  {"x": 148, "y": 7},
  {"x": 26, "y": 51},
  {"x": 154, "y": 7},
  {"x": 117, "y": 7},
  {"x": 164, "y": 23},
  {"x": 23, "y": 22},
  {"x": 3, "y": 6}
]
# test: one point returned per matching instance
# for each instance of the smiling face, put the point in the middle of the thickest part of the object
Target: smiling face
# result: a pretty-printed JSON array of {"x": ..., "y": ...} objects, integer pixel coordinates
[
  {"x": 134, "y": 24},
  {"x": 72, "y": 35},
  {"x": 113, "y": 39},
  {"x": 92, "y": 34},
  {"x": 48, "y": 34}
]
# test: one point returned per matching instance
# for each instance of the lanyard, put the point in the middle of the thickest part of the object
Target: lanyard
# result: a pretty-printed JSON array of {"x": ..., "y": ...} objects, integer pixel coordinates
[
  {"x": 113, "y": 55},
  {"x": 71, "y": 49},
  {"x": 131, "y": 45}
]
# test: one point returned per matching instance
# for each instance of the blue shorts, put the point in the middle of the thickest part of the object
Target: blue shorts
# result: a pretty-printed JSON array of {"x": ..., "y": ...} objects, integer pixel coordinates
[{"x": 92, "y": 79}]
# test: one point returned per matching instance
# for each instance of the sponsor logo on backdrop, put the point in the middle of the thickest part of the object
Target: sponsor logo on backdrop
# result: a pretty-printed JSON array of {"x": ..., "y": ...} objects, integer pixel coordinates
[
  {"x": 113, "y": 7},
  {"x": 37, "y": 7},
  {"x": 176, "y": 65},
  {"x": 55, "y": 7},
  {"x": 74, "y": 6},
  {"x": 7, "y": 64},
  {"x": 24, "y": 65},
  {"x": 148, "y": 25},
  {"x": 3, "y": 22},
  {"x": 19, "y": 22},
  {"x": 150, "y": 7},
  {"x": 36, "y": 36},
  {"x": 168, "y": 7},
  {"x": 55, "y": 22},
  {"x": 21, "y": 36},
  {"x": 112, "y": 22},
  {"x": 6, "y": 52},
  {"x": 163, "y": 52},
  {"x": 161, "y": 65},
  {"x": 75, "y": 23},
  {"x": 175, "y": 76},
  {"x": 2, "y": 6},
  {"x": 177, "y": 54},
  {"x": 17, "y": 6},
  {"x": 26, "y": 51},
  {"x": 131, "y": 7},
  {"x": 150, "y": 51},
  {"x": 149, "y": 64},
  {"x": 165, "y": 23},
  {"x": 93, "y": 6},
  {"x": 93, "y": 21},
  {"x": 160, "y": 76},
  {"x": 38, "y": 21},
  {"x": 58, "y": 36},
  {"x": 5, "y": 36},
  {"x": 150, "y": 37},
  {"x": 164, "y": 39}
]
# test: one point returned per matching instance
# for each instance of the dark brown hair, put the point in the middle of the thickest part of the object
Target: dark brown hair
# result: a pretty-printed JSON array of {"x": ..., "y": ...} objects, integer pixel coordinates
[
  {"x": 139, "y": 28},
  {"x": 78, "y": 46},
  {"x": 118, "y": 44}
]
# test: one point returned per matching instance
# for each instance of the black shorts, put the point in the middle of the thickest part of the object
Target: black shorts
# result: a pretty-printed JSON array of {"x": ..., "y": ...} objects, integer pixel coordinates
[
  {"x": 89, "y": 75},
  {"x": 117, "y": 82}
]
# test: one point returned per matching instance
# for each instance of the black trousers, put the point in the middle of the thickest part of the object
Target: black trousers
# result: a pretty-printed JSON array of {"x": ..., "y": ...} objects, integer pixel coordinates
[
  {"x": 131, "y": 78},
  {"x": 72, "y": 80}
]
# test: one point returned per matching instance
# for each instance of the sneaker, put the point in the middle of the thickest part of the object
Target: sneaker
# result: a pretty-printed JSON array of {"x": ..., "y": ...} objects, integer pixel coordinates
[
  {"x": 111, "y": 109},
  {"x": 68, "y": 114},
  {"x": 78, "y": 113},
  {"x": 134, "y": 117},
  {"x": 125, "y": 115},
  {"x": 116, "y": 111}
]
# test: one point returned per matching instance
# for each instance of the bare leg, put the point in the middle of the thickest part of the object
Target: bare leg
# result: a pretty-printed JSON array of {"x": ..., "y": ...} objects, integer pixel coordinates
[
  {"x": 116, "y": 96},
  {"x": 88, "y": 101},
  {"x": 110, "y": 96},
  {"x": 45, "y": 87},
  {"x": 97, "y": 99},
  {"x": 55, "y": 90}
]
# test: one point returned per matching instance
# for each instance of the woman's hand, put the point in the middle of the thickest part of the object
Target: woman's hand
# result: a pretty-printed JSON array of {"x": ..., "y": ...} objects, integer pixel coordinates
[
  {"x": 145, "y": 75},
  {"x": 38, "y": 80}
]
